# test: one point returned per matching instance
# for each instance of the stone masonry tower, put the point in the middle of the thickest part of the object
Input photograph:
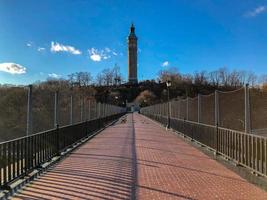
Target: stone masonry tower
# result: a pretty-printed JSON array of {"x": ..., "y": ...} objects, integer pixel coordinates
[{"x": 132, "y": 56}]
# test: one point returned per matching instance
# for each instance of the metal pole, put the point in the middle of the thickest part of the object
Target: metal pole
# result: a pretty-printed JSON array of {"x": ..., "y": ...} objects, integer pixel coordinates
[
  {"x": 247, "y": 110},
  {"x": 71, "y": 109},
  {"x": 187, "y": 108},
  {"x": 168, "y": 110},
  {"x": 216, "y": 116},
  {"x": 81, "y": 107},
  {"x": 29, "y": 112},
  {"x": 217, "y": 120},
  {"x": 198, "y": 107},
  {"x": 56, "y": 110},
  {"x": 98, "y": 110},
  {"x": 89, "y": 110},
  {"x": 179, "y": 109}
]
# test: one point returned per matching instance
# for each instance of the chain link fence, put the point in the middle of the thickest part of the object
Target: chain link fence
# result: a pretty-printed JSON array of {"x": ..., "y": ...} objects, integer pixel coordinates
[
  {"x": 207, "y": 109},
  {"x": 258, "y": 108},
  {"x": 13, "y": 106},
  {"x": 244, "y": 109},
  {"x": 192, "y": 109},
  {"x": 29, "y": 110},
  {"x": 232, "y": 109}
]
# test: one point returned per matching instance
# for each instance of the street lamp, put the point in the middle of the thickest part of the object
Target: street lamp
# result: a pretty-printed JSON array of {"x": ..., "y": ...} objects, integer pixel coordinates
[{"x": 168, "y": 83}]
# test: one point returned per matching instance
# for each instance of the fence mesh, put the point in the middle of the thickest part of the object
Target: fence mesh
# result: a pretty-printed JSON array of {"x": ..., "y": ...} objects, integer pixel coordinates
[
  {"x": 232, "y": 109},
  {"x": 258, "y": 111},
  {"x": 207, "y": 109},
  {"x": 183, "y": 109},
  {"x": 64, "y": 108},
  {"x": 76, "y": 106},
  {"x": 13, "y": 105},
  {"x": 193, "y": 109},
  {"x": 42, "y": 109}
]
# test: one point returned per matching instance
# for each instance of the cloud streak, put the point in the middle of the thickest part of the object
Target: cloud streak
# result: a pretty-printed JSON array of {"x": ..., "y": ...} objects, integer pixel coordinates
[
  {"x": 12, "y": 68},
  {"x": 256, "y": 11},
  {"x": 56, "y": 47},
  {"x": 40, "y": 49},
  {"x": 54, "y": 75}
]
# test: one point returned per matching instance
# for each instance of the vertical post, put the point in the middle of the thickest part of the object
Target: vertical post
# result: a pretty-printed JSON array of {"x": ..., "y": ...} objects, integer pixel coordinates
[
  {"x": 89, "y": 110},
  {"x": 98, "y": 110},
  {"x": 198, "y": 107},
  {"x": 216, "y": 116},
  {"x": 187, "y": 108},
  {"x": 216, "y": 120},
  {"x": 247, "y": 110},
  {"x": 81, "y": 107},
  {"x": 29, "y": 111},
  {"x": 56, "y": 110},
  {"x": 168, "y": 110},
  {"x": 104, "y": 110},
  {"x": 179, "y": 109},
  {"x": 71, "y": 109}
]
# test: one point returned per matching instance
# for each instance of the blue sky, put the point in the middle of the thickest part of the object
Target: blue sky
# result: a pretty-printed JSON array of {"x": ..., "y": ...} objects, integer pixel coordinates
[{"x": 59, "y": 37}]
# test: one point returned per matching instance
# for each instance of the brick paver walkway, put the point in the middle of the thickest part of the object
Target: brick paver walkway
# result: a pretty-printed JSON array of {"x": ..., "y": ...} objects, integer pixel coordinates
[{"x": 137, "y": 159}]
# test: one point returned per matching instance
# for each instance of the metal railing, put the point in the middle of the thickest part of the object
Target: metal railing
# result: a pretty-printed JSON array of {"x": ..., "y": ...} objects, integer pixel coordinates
[
  {"x": 20, "y": 156},
  {"x": 242, "y": 148}
]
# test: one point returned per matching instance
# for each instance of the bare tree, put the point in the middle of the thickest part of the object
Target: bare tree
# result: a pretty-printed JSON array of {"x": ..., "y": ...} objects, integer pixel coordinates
[
  {"x": 117, "y": 75},
  {"x": 200, "y": 78},
  {"x": 99, "y": 79},
  {"x": 107, "y": 75},
  {"x": 171, "y": 74},
  {"x": 81, "y": 78}
]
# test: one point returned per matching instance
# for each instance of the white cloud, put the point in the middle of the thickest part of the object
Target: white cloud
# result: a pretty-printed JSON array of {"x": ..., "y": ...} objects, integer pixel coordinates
[
  {"x": 257, "y": 11},
  {"x": 29, "y": 44},
  {"x": 95, "y": 57},
  {"x": 40, "y": 49},
  {"x": 114, "y": 53},
  {"x": 165, "y": 64},
  {"x": 98, "y": 55},
  {"x": 54, "y": 75},
  {"x": 12, "y": 68},
  {"x": 56, "y": 47}
]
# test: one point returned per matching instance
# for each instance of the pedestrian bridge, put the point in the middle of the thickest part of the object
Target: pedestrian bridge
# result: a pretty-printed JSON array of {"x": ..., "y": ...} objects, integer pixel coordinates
[{"x": 133, "y": 158}]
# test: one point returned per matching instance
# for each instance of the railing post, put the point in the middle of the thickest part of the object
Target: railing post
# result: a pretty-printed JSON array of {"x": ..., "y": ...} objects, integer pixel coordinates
[
  {"x": 179, "y": 109},
  {"x": 29, "y": 112},
  {"x": 89, "y": 110},
  {"x": 58, "y": 140},
  {"x": 247, "y": 110},
  {"x": 187, "y": 108},
  {"x": 81, "y": 107},
  {"x": 198, "y": 107},
  {"x": 217, "y": 111},
  {"x": 71, "y": 109},
  {"x": 56, "y": 109}
]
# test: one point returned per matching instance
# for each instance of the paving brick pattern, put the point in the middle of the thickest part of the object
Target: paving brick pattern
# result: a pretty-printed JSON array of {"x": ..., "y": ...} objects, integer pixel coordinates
[{"x": 138, "y": 159}]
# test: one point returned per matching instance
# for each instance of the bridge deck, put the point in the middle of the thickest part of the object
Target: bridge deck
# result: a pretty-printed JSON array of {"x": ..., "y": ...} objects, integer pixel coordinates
[{"x": 137, "y": 159}]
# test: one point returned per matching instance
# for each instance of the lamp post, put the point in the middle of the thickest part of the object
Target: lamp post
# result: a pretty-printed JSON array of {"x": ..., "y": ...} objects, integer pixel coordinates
[{"x": 168, "y": 83}]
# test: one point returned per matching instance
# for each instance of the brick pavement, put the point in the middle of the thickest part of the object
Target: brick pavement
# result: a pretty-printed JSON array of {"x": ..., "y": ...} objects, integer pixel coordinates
[{"x": 141, "y": 163}]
